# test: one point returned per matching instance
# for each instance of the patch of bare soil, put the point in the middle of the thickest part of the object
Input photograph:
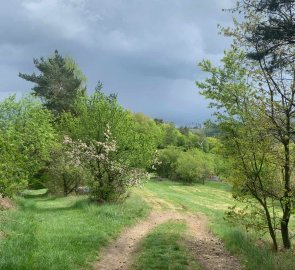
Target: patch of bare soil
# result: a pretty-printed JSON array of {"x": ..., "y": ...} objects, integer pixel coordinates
[
  {"x": 6, "y": 203},
  {"x": 204, "y": 246}
]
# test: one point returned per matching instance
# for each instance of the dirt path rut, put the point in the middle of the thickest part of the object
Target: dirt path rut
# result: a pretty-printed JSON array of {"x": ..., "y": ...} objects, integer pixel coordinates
[{"x": 204, "y": 246}]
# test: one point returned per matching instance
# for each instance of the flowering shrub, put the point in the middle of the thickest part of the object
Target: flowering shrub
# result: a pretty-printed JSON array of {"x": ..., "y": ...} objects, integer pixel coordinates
[
  {"x": 66, "y": 172},
  {"x": 111, "y": 176}
]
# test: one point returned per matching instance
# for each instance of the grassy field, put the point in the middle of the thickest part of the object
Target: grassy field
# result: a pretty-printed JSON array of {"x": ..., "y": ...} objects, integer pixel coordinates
[
  {"x": 68, "y": 233},
  {"x": 213, "y": 199},
  {"x": 162, "y": 249},
  {"x": 62, "y": 233}
]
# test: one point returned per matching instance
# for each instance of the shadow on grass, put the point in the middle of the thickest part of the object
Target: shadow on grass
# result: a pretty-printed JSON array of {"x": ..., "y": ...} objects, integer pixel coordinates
[
  {"x": 212, "y": 184},
  {"x": 55, "y": 204}
]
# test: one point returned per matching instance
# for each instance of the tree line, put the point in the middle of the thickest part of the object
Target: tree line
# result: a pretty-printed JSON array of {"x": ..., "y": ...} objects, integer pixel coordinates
[{"x": 62, "y": 138}]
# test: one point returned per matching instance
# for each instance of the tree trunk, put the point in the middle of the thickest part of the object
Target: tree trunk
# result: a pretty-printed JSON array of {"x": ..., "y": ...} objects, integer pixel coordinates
[
  {"x": 286, "y": 199},
  {"x": 285, "y": 227},
  {"x": 271, "y": 228}
]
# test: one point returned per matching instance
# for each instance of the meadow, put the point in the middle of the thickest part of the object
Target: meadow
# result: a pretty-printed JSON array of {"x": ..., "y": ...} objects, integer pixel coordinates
[
  {"x": 62, "y": 233},
  {"x": 212, "y": 200},
  {"x": 46, "y": 232}
]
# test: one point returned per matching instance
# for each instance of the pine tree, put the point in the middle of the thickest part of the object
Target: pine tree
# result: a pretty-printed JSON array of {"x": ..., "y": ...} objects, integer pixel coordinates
[{"x": 56, "y": 85}]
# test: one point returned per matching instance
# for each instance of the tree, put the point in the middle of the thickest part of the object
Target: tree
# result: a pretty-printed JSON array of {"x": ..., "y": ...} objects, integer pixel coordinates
[
  {"x": 131, "y": 147},
  {"x": 269, "y": 31},
  {"x": 58, "y": 83},
  {"x": 94, "y": 113},
  {"x": 257, "y": 135},
  {"x": 150, "y": 133},
  {"x": 109, "y": 178},
  {"x": 172, "y": 135},
  {"x": 267, "y": 35},
  {"x": 167, "y": 161},
  {"x": 71, "y": 64},
  {"x": 26, "y": 137}
]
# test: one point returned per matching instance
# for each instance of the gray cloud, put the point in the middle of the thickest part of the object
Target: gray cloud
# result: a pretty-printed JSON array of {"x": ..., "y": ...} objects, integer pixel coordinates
[{"x": 146, "y": 51}]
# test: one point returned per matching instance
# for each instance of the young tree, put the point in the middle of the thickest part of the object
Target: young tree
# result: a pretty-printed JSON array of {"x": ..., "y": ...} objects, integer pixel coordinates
[
  {"x": 58, "y": 83},
  {"x": 193, "y": 166},
  {"x": 171, "y": 135},
  {"x": 168, "y": 158},
  {"x": 258, "y": 130},
  {"x": 267, "y": 35}
]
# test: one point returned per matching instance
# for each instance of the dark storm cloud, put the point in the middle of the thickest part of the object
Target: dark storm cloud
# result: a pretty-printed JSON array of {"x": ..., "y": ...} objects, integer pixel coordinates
[{"x": 146, "y": 51}]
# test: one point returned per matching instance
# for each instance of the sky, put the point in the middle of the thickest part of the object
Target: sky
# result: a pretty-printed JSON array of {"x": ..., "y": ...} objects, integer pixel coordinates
[{"x": 146, "y": 51}]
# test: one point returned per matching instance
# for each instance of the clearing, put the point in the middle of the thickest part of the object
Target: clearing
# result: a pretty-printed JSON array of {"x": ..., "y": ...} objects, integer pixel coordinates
[{"x": 167, "y": 224}]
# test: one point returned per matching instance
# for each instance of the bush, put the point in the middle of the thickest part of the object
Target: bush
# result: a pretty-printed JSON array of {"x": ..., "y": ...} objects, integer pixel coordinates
[
  {"x": 167, "y": 159},
  {"x": 109, "y": 176},
  {"x": 190, "y": 166},
  {"x": 65, "y": 172},
  {"x": 193, "y": 166}
]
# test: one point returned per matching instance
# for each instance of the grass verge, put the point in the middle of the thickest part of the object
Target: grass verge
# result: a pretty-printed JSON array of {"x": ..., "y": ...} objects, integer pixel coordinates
[
  {"x": 62, "y": 233},
  {"x": 162, "y": 250}
]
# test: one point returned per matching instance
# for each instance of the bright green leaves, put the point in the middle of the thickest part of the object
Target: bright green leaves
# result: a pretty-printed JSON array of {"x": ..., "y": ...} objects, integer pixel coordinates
[{"x": 26, "y": 138}]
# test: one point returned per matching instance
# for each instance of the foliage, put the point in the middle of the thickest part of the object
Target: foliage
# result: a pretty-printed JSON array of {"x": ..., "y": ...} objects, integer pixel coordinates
[
  {"x": 110, "y": 176},
  {"x": 94, "y": 114},
  {"x": 171, "y": 135},
  {"x": 167, "y": 159},
  {"x": 115, "y": 145},
  {"x": 65, "y": 173},
  {"x": 257, "y": 136},
  {"x": 58, "y": 83},
  {"x": 150, "y": 134},
  {"x": 190, "y": 166},
  {"x": 193, "y": 166},
  {"x": 71, "y": 64},
  {"x": 26, "y": 138},
  {"x": 184, "y": 137},
  {"x": 268, "y": 32},
  {"x": 222, "y": 164}
]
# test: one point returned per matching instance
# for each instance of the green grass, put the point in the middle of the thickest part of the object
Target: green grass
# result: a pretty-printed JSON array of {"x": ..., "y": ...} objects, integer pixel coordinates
[
  {"x": 68, "y": 233},
  {"x": 163, "y": 250},
  {"x": 34, "y": 193},
  {"x": 62, "y": 233},
  {"x": 213, "y": 199}
]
